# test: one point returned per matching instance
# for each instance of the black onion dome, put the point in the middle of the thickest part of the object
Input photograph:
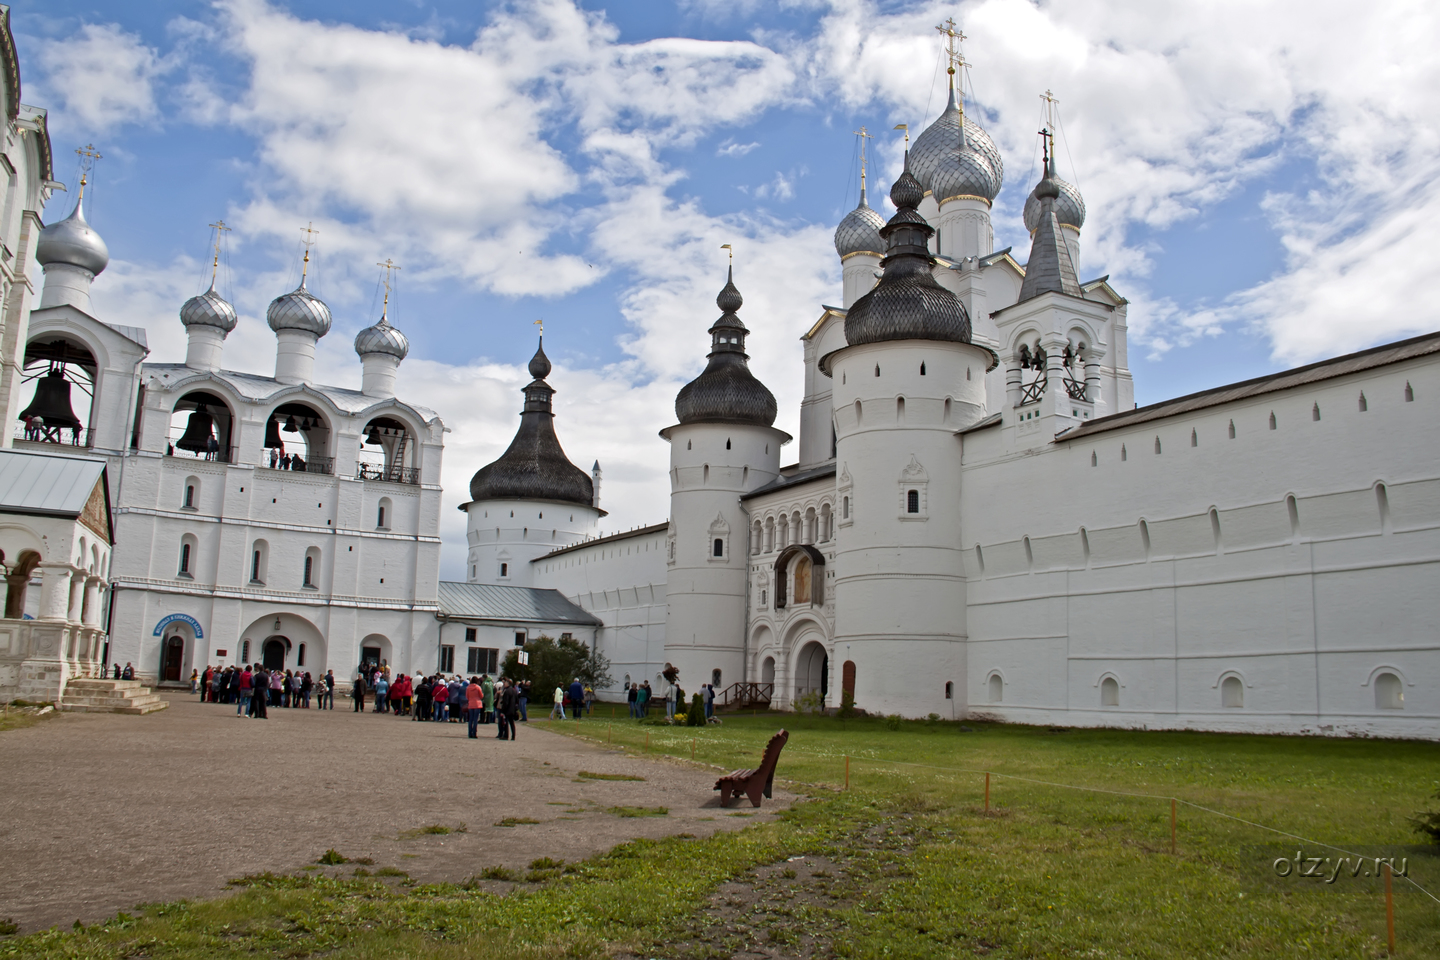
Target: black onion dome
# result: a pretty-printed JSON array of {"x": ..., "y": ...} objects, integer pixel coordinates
[
  {"x": 534, "y": 467},
  {"x": 727, "y": 392},
  {"x": 907, "y": 303}
]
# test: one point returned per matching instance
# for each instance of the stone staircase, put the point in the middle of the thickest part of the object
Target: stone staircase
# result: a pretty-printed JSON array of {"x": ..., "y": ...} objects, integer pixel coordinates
[{"x": 110, "y": 696}]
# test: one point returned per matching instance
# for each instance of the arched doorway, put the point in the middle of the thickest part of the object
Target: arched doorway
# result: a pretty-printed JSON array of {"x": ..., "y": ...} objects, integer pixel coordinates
[
  {"x": 811, "y": 670},
  {"x": 767, "y": 670},
  {"x": 172, "y": 658},
  {"x": 273, "y": 652},
  {"x": 847, "y": 678},
  {"x": 18, "y": 580}
]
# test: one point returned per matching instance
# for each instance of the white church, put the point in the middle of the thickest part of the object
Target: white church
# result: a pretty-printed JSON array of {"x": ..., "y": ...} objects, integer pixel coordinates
[{"x": 978, "y": 520}]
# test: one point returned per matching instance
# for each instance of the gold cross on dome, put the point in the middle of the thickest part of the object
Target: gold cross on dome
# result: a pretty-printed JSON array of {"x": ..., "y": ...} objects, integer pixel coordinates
[
  {"x": 953, "y": 38},
  {"x": 390, "y": 266},
  {"x": 864, "y": 135},
  {"x": 220, "y": 228},
  {"x": 88, "y": 155}
]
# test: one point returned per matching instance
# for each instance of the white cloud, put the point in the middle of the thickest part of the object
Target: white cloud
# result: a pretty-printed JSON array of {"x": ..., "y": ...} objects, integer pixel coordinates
[
  {"x": 104, "y": 76},
  {"x": 729, "y": 148}
]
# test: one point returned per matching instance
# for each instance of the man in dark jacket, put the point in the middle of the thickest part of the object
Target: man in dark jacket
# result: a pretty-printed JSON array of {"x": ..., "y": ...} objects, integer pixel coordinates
[
  {"x": 576, "y": 696},
  {"x": 509, "y": 710},
  {"x": 262, "y": 686}
]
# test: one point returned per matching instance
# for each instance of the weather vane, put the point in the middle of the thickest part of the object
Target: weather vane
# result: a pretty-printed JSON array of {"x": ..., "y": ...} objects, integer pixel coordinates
[
  {"x": 220, "y": 230},
  {"x": 726, "y": 246},
  {"x": 309, "y": 241},
  {"x": 906, "y": 128},
  {"x": 541, "y": 324},
  {"x": 88, "y": 156},
  {"x": 390, "y": 266}
]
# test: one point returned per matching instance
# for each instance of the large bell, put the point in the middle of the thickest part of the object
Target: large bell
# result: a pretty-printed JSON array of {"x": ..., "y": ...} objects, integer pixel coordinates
[
  {"x": 52, "y": 402},
  {"x": 272, "y": 435},
  {"x": 199, "y": 431},
  {"x": 374, "y": 437}
]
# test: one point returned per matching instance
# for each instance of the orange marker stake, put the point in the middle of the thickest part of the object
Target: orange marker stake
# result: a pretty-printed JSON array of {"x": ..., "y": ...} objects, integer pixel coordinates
[
  {"x": 1389, "y": 910},
  {"x": 847, "y": 773},
  {"x": 987, "y": 792},
  {"x": 1172, "y": 826}
]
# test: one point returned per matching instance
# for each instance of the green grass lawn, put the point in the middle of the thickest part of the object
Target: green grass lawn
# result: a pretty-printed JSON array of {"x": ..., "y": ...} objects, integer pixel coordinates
[{"x": 913, "y": 865}]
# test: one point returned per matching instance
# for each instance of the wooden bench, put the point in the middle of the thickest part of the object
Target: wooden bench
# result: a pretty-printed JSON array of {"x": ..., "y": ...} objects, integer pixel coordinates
[{"x": 753, "y": 783}]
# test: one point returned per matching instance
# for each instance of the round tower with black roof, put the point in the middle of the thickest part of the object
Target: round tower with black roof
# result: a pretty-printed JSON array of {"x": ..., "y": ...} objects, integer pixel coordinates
[
  {"x": 724, "y": 446},
  {"x": 530, "y": 501}
]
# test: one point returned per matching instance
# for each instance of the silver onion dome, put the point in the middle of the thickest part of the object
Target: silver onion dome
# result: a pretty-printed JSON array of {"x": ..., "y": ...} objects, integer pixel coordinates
[
  {"x": 1069, "y": 206},
  {"x": 382, "y": 338},
  {"x": 299, "y": 310},
  {"x": 940, "y": 146},
  {"x": 859, "y": 232},
  {"x": 964, "y": 173},
  {"x": 74, "y": 242},
  {"x": 209, "y": 309}
]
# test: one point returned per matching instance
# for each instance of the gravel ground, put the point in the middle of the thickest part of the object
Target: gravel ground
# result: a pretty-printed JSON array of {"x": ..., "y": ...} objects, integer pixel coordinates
[{"x": 100, "y": 812}]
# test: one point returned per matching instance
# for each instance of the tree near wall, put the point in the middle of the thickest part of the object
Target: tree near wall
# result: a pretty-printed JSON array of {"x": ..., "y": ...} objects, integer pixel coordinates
[{"x": 555, "y": 663}]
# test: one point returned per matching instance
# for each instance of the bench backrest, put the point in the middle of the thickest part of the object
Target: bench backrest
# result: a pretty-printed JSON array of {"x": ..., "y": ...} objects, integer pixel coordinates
[{"x": 772, "y": 753}]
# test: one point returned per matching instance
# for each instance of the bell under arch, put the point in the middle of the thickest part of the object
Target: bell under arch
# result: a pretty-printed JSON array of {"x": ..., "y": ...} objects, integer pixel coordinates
[
  {"x": 59, "y": 376},
  {"x": 389, "y": 450},
  {"x": 202, "y": 427},
  {"x": 297, "y": 438}
]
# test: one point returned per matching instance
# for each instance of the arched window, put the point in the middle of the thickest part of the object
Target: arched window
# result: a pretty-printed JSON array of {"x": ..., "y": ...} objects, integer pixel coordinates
[
  {"x": 1232, "y": 692},
  {"x": 186, "y": 552},
  {"x": 311, "y": 574},
  {"x": 718, "y": 547},
  {"x": 949, "y": 685},
  {"x": 300, "y": 656},
  {"x": 802, "y": 572},
  {"x": 383, "y": 514},
  {"x": 1389, "y": 692},
  {"x": 912, "y": 501},
  {"x": 1109, "y": 692},
  {"x": 192, "y": 493},
  {"x": 845, "y": 508},
  {"x": 309, "y": 570},
  {"x": 715, "y": 677},
  {"x": 997, "y": 688},
  {"x": 259, "y": 556},
  {"x": 245, "y": 652}
]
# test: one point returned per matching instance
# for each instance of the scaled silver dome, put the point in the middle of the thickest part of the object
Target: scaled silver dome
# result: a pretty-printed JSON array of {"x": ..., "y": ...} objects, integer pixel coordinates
[
  {"x": 73, "y": 241},
  {"x": 859, "y": 232},
  {"x": 939, "y": 146},
  {"x": 964, "y": 173},
  {"x": 1069, "y": 206},
  {"x": 382, "y": 338},
  {"x": 299, "y": 310},
  {"x": 209, "y": 309}
]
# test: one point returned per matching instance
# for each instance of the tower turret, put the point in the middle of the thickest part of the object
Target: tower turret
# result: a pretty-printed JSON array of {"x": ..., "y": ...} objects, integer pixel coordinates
[
  {"x": 299, "y": 319},
  {"x": 532, "y": 499},
  {"x": 857, "y": 240},
  {"x": 209, "y": 317},
  {"x": 724, "y": 446},
  {"x": 73, "y": 255},
  {"x": 1069, "y": 206},
  {"x": 908, "y": 380},
  {"x": 381, "y": 348}
]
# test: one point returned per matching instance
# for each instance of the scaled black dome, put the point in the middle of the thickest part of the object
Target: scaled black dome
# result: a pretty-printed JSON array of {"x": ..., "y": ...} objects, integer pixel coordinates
[
  {"x": 727, "y": 392},
  {"x": 534, "y": 467},
  {"x": 907, "y": 303}
]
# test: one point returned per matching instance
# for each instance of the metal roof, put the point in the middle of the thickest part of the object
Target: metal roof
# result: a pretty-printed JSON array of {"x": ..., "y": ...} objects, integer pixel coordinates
[
  {"x": 39, "y": 483},
  {"x": 490, "y": 601},
  {"x": 637, "y": 532},
  {"x": 794, "y": 480},
  {"x": 1285, "y": 380}
]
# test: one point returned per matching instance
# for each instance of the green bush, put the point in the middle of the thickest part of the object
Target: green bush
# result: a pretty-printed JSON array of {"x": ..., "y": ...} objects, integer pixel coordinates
[
  {"x": 893, "y": 721},
  {"x": 847, "y": 705},
  {"x": 695, "y": 716},
  {"x": 555, "y": 663},
  {"x": 1428, "y": 823}
]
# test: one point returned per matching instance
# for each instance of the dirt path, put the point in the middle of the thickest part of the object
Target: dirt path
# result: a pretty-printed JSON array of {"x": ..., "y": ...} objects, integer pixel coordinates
[{"x": 101, "y": 812}]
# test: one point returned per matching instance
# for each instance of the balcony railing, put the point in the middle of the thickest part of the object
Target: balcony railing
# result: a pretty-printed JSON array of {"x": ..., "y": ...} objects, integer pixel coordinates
[
  {"x": 65, "y": 436},
  {"x": 1076, "y": 389},
  {"x": 1032, "y": 392},
  {"x": 298, "y": 464},
  {"x": 232, "y": 455},
  {"x": 374, "y": 471}
]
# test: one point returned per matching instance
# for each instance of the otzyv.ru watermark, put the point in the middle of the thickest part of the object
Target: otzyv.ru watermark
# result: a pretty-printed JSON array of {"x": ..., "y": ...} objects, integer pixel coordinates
[{"x": 1330, "y": 869}]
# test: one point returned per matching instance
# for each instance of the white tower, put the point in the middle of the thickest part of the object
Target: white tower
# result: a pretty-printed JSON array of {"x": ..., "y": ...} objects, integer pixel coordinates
[
  {"x": 381, "y": 348},
  {"x": 530, "y": 501},
  {"x": 299, "y": 319},
  {"x": 908, "y": 380},
  {"x": 723, "y": 446}
]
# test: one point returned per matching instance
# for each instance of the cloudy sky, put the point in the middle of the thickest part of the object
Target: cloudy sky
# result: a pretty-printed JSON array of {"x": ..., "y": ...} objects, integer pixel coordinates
[{"x": 1260, "y": 178}]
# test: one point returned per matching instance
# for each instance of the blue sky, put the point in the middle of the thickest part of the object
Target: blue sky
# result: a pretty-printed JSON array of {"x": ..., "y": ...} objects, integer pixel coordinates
[{"x": 1248, "y": 189}]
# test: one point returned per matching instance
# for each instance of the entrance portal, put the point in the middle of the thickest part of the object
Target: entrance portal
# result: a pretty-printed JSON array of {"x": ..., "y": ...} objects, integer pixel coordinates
[
  {"x": 811, "y": 670},
  {"x": 174, "y": 657},
  {"x": 274, "y": 653},
  {"x": 370, "y": 655}
]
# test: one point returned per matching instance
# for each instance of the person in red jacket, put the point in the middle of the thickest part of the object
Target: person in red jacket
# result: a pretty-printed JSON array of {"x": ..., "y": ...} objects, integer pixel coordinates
[
  {"x": 475, "y": 702},
  {"x": 247, "y": 687}
]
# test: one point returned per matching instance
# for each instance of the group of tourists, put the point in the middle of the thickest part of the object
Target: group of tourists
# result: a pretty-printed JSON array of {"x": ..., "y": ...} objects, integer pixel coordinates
[
  {"x": 256, "y": 687},
  {"x": 438, "y": 699},
  {"x": 640, "y": 696},
  {"x": 579, "y": 697}
]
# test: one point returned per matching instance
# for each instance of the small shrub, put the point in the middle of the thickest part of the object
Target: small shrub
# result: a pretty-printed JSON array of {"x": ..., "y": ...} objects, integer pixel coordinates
[
  {"x": 436, "y": 829},
  {"x": 1428, "y": 823},
  {"x": 811, "y": 702},
  {"x": 332, "y": 857},
  {"x": 695, "y": 716},
  {"x": 8, "y": 927},
  {"x": 497, "y": 873},
  {"x": 847, "y": 705},
  {"x": 546, "y": 863},
  {"x": 933, "y": 719},
  {"x": 893, "y": 721}
]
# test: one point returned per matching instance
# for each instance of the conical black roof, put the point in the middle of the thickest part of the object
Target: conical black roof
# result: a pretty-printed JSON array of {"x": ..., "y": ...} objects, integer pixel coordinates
[
  {"x": 727, "y": 392},
  {"x": 534, "y": 467},
  {"x": 907, "y": 303}
]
